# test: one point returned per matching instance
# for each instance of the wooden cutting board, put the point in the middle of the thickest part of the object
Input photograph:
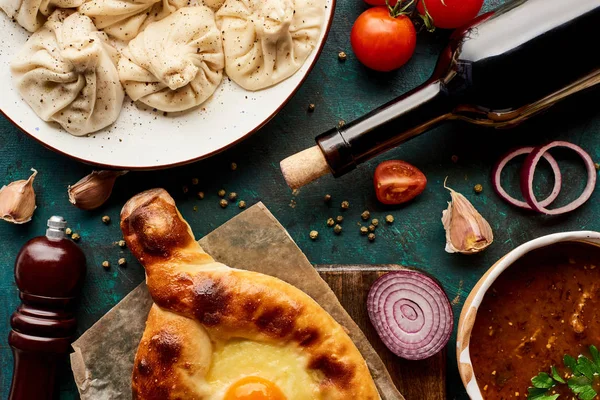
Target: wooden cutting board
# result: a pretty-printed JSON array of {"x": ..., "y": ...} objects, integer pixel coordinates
[{"x": 416, "y": 380}]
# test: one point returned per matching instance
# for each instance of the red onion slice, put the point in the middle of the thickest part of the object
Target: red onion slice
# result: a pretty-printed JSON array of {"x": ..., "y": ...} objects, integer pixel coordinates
[
  {"x": 529, "y": 168},
  {"x": 411, "y": 314},
  {"x": 497, "y": 172}
]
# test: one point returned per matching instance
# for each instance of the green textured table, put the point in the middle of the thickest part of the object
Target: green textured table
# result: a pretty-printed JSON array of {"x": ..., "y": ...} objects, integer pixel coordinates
[{"x": 339, "y": 91}]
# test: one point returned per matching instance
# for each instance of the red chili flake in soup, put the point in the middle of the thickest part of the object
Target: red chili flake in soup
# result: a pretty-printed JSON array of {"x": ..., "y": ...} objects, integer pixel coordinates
[{"x": 546, "y": 305}]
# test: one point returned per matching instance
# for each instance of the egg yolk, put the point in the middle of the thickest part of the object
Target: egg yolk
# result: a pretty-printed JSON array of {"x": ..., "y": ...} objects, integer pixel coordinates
[{"x": 254, "y": 388}]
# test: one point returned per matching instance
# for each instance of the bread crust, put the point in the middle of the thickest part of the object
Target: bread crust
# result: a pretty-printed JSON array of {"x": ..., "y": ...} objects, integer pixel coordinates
[{"x": 222, "y": 303}]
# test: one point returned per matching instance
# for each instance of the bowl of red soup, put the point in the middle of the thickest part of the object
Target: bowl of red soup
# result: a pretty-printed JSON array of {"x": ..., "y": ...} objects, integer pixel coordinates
[{"x": 535, "y": 313}]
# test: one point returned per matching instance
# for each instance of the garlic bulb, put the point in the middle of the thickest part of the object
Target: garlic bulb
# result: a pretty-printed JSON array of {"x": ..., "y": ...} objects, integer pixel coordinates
[
  {"x": 93, "y": 190},
  {"x": 17, "y": 200},
  {"x": 467, "y": 232}
]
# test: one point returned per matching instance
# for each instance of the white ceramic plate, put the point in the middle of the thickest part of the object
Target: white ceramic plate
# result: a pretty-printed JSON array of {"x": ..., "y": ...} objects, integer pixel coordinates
[{"x": 143, "y": 139}]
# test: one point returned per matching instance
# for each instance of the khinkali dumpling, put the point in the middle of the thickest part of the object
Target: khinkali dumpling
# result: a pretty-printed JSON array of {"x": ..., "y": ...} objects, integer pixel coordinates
[
  {"x": 212, "y": 4},
  {"x": 31, "y": 14},
  {"x": 176, "y": 63},
  {"x": 124, "y": 19},
  {"x": 66, "y": 73},
  {"x": 266, "y": 41}
]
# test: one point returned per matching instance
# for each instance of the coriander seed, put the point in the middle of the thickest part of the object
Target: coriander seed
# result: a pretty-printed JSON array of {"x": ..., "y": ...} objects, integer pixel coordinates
[
  {"x": 242, "y": 204},
  {"x": 345, "y": 205},
  {"x": 330, "y": 222},
  {"x": 200, "y": 195},
  {"x": 68, "y": 231},
  {"x": 365, "y": 215},
  {"x": 327, "y": 198},
  {"x": 314, "y": 235},
  {"x": 597, "y": 165},
  {"x": 341, "y": 123},
  {"x": 223, "y": 203},
  {"x": 364, "y": 230},
  {"x": 195, "y": 181},
  {"x": 76, "y": 237},
  {"x": 185, "y": 189},
  {"x": 121, "y": 243},
  {"x": 233, "y": 166},
  {"x": 195, "y": 208},
  {"x": 337, "y": 229},
  {"x": 106, "y": 219},
  {"x": 232, "y": 196},
  {"x": 105, "y": 264},
  {"x": 339, "y": 219},
  {"x": 371, "y": 228},
  {"x": 311, "y": 107},
  {"x": 389, "y": 218},
  {"x": 375, "y": 222},
  {"x": 222, "y": 193},
  {"x": 371, "y": 237},
  {"x": 342, "y": 56},
  {"x": 478, "y": 188},
  {"x": 122, "y": 262}
]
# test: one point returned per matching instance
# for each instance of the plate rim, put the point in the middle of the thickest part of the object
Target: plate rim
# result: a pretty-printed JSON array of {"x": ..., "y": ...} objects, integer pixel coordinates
[{"x": 210, "y": 154}]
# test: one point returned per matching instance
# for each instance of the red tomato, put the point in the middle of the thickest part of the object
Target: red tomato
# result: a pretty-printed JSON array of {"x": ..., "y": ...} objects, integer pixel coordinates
[
  {"x": 381, "y": 42},
  {"x": 450, "y": 14},
  {"x": 398, "y": 182}
]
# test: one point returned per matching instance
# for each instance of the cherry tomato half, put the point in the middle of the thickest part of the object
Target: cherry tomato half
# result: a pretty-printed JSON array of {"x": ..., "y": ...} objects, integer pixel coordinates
[
  {"x": 450, "y": 14},
  {"x": 382, "y": 42},
  {"x": 398, "y": 182}
]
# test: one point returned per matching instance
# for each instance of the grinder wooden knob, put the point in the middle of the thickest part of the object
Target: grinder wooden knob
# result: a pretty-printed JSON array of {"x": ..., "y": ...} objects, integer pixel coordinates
[{"x": 49, "y": 272}]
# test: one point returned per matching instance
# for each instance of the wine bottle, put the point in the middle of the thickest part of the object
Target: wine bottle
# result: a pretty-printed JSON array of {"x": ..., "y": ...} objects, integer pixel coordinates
[{"x": 506, "y": 66}]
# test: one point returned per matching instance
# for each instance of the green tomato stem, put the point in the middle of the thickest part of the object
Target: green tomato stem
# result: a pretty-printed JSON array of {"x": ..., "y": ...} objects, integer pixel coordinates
[{"x": 396, "y": 11}]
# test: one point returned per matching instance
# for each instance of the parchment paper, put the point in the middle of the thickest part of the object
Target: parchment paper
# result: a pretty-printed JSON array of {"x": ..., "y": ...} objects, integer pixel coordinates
[{"x": 254, "y": 240}]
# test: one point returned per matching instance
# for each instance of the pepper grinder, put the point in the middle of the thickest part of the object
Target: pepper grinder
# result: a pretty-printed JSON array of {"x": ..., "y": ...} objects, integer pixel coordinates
[{"x": 49, "y": 272}]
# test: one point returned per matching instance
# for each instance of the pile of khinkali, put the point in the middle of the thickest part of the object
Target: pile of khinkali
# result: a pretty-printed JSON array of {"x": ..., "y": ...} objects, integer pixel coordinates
[{"x": 171, "y": 57}]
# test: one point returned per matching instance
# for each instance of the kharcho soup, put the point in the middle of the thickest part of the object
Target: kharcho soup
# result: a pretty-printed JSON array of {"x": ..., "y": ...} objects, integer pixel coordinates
[{"x": 544, "y": 306}]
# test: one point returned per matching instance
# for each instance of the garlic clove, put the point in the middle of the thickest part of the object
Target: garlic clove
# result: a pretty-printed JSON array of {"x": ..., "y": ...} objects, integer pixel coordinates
[
  {"x": 467, "y": 232},
  {"x": 93, "y": 190},
  {"x": 17, "y": 200}
]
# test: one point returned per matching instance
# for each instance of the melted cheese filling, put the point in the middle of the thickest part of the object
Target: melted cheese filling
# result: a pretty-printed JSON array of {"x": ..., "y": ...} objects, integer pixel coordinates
[{"x": 283, "y": 366}]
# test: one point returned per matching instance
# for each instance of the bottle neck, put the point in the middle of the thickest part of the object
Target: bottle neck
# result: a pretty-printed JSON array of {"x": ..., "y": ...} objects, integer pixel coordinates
[{"x": 412, "y": 114}]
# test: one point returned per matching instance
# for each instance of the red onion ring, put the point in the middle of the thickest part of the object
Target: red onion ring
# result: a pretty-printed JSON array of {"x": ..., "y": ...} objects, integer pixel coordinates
[
  {"x": 411, "y": 314},
  {"x": 497, "y": 172},
  {"x": 529, "y": 168}
]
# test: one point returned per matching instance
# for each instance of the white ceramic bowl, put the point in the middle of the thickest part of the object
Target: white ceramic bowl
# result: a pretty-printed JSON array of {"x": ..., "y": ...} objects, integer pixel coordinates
[
  {"x": 143, "y": 139},
  {"x": 469, "y": 311}
]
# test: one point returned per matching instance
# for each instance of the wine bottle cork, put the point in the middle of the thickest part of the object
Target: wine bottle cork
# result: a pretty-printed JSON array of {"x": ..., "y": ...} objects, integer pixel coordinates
[{"x": 304, "y": 167}]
